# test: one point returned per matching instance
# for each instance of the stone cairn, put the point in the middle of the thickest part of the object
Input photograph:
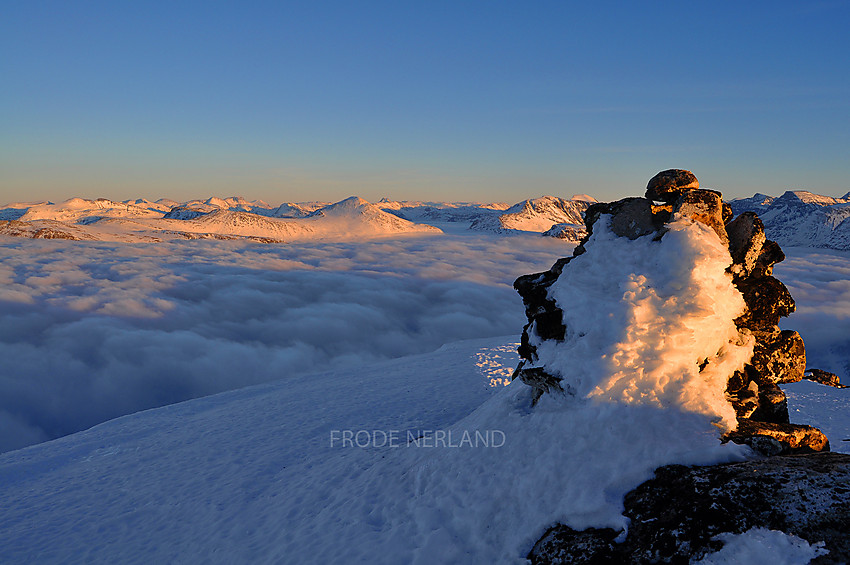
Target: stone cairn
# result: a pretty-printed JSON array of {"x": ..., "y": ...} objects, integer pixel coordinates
[{"x": 779, "y": 356}]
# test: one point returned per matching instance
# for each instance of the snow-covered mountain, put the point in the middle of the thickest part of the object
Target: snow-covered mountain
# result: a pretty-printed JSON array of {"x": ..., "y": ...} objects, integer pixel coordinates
[
  {"x": 232, "y": 203},
  {"x": 537, "y": 215},
  {"x": 442, "y": 212},
  {"x": 84, "y": 211},
  {"x": 300, "y": 210},
  {"x": 801, "y": 218},
  {"x": 237, "y": 217},
  {"x": 229, "y": 218}
]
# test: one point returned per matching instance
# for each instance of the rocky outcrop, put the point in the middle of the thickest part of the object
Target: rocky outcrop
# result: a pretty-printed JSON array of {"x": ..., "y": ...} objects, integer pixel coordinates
[
  {"x": 676, "y": 516},
  {"x": 823, "y": 377},
  {"x": 779, "y": 355},
  {"x": 567, "y": 232},
  {"x": 43, "y": 229}
]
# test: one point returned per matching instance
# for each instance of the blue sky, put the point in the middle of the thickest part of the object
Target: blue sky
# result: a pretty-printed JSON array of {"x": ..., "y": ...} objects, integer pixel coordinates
[{"x": 420, "y": 100}]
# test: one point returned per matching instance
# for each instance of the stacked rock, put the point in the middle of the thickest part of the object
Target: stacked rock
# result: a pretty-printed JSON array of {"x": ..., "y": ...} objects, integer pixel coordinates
[{"x": 779, "y": 355}]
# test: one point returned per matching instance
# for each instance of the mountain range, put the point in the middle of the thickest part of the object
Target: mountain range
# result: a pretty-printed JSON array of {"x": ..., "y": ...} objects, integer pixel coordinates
[
  {"x": 800, "y": 218},
  {"x": 238, "y": 218},
  {"x": 796, "y": 218}
]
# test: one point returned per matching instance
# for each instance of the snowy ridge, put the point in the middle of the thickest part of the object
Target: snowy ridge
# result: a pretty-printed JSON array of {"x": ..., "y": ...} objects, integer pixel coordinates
[
  {"x": 535, "y": 215},
  {"x": 214, "y": 218},
  {"x": 448, "y": 212},
  {"x": 237, "y": 217},
  {"x": 75, "y": 210},
  {"x": 800, "y": 218}
]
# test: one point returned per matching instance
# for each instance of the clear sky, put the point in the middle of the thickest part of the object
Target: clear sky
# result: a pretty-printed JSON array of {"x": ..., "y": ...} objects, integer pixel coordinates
[{"x": 489, "y": 100}]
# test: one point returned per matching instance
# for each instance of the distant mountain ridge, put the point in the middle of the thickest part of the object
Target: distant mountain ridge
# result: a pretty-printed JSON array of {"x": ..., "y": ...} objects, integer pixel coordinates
[
  {"x": 801, "y": 218},
  {"x": 538, "y": 215},
  {"x": 796, "y": 218},
  {"x": 214, "y": 218},
  {"x": 236, "y": 217}
]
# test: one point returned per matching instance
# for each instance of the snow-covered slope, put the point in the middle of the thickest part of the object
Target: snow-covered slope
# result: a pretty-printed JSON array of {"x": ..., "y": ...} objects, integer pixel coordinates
[
  {"x": 227, "y": 478},
  {"x": 81, "y": 210},
  {"x": 535, "y": 215},
  {"x": 252, "y": 476},
  {"x": 245, "y": 224},
  {"x": 801, "y": 218}
]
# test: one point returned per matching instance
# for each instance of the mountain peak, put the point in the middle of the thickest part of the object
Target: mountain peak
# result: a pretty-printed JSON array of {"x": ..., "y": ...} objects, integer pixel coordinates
[
  {"x": 350, "y": 205},
  {"x": 806, "y": 197}
]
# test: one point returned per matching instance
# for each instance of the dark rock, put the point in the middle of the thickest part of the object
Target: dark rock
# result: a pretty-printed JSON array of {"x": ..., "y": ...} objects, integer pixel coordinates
[
  {"x": 823, "y": 377},
  {"x": 772, "y": 405},
  {"x": 538, "y": 379},
  {"x": 767, "y": 300},
  {"x": 743, "y": 393},
  {"x": 794, "y": 438},
  {"x": 727, "y": 213},
  {"x": 704, "y": 206},
  {"x": 746, "y": 240},
  {"x": 632, "y": 218},
  {"x": 779, "y": 356},
  {"x": 667, "y": 186},
  {"x": 564, "y": 545},
  {"x": 676, "y": 516},
  {"x": 544, "y": 316},
  {"x": 771, "y": 254},
  {"x": 567, "y": 232}
]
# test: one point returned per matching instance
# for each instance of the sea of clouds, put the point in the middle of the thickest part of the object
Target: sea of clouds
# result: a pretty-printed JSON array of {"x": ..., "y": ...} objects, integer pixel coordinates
[
  {"x": 819, "y": 281},
  {"x": 93, "y": 331}
]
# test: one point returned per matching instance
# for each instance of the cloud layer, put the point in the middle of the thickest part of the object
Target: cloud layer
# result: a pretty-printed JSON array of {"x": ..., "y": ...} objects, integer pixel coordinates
[
  {"x": 92, "y": 331},
  {"x": 819, "y": 281}
]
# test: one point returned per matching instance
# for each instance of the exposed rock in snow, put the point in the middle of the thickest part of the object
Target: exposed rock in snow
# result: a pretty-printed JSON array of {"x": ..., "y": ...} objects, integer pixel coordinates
[
  {"x": 43, "y": 229},
  {"x": 567, "y": 232},
  {"x": 677, "y": 516},
  {"x": 534, "y": 215},
  {"x": 824, "y": 378},
  {"x": 183, "y": 213}
]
